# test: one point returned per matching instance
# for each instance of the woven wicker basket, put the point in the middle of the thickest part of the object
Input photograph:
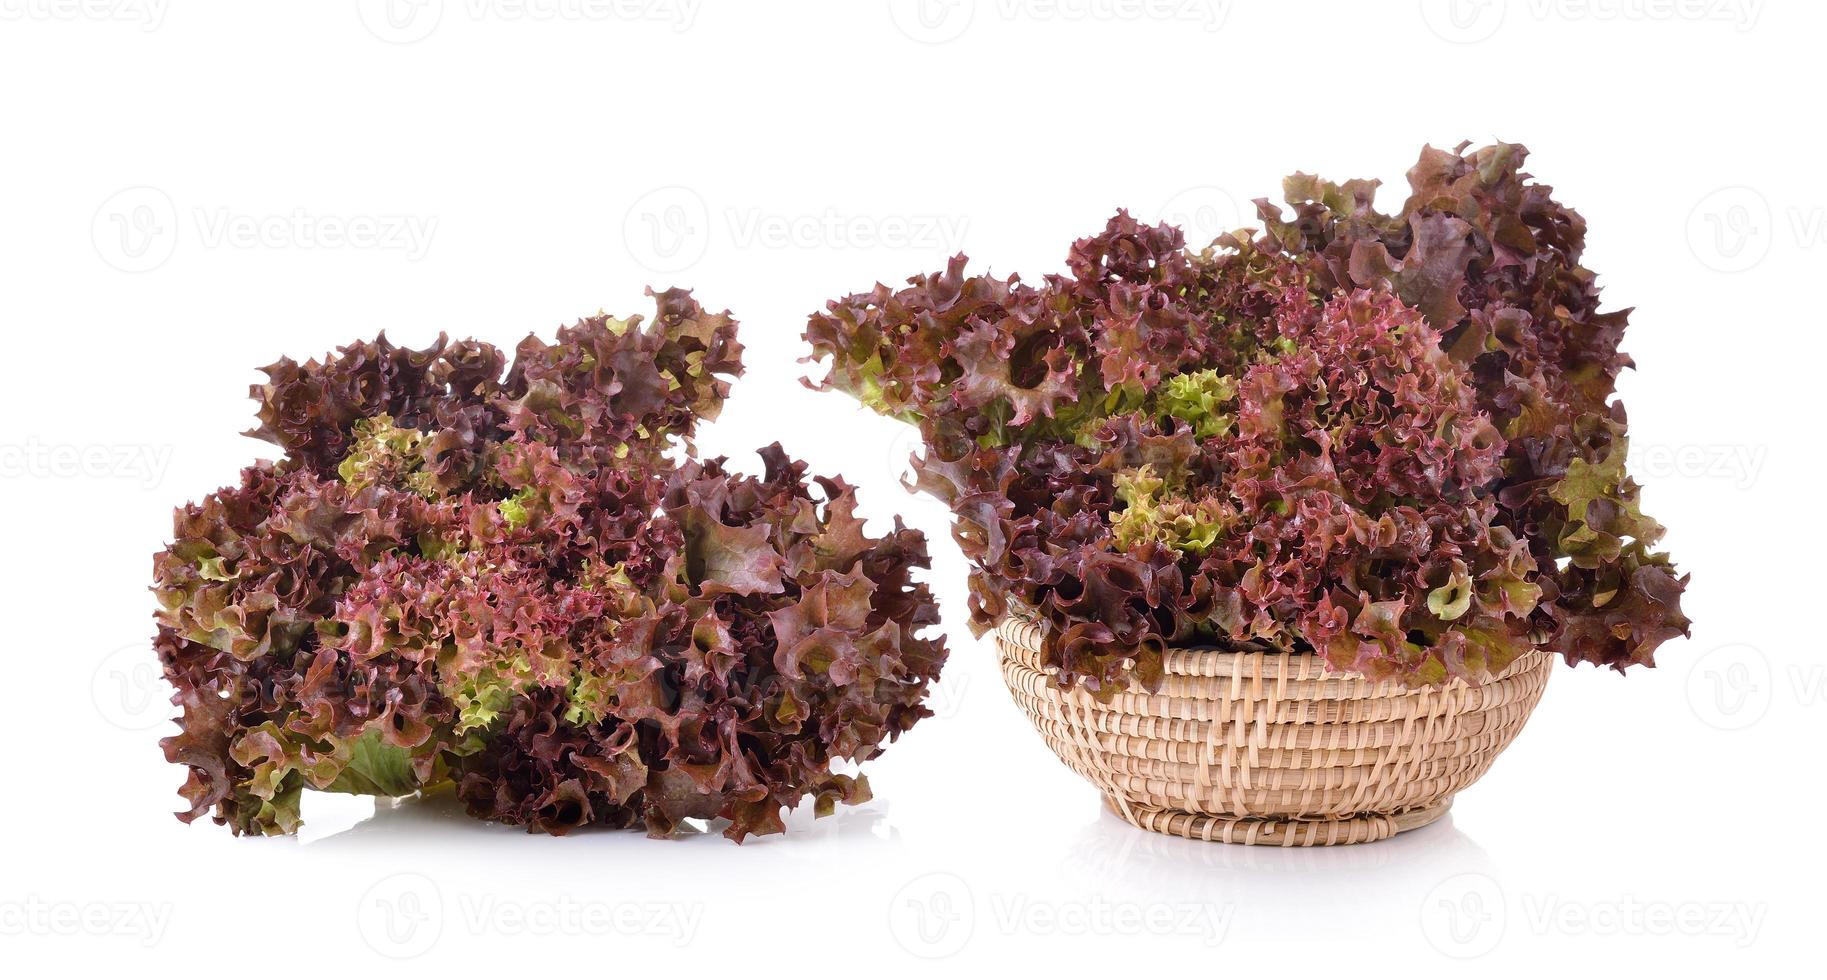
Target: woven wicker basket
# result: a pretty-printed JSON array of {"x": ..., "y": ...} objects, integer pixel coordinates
[{"x": 1273, "y": 748}]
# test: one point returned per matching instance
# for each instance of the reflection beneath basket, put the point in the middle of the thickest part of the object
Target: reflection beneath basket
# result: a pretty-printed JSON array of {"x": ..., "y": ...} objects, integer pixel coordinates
[
  {"x": 1117, "y": 849},
  {"x": 1356, "y": 890}
]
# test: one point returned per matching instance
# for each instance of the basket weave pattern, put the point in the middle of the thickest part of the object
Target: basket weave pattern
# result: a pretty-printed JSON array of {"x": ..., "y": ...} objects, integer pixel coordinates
[{"x": 1273, "y": 748}]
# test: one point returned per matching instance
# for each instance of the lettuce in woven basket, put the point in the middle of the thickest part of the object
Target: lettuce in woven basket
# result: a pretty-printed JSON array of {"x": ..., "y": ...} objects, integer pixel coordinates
[{"x": 1389, "y": 440}]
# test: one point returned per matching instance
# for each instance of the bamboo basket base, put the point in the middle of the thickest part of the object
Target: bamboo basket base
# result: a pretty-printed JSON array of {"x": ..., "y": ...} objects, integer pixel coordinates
[
  {"x": 1274, "y": 831},
  {"x": 1272, "y": 748}
]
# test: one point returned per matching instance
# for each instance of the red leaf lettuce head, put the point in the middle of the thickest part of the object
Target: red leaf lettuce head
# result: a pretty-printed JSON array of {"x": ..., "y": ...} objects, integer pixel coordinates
[
  {"x": 493, "y": 578},
  {"x": 1494, "y": 261}
]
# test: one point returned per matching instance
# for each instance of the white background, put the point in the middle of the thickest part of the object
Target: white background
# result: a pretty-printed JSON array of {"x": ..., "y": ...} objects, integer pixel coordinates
[{"x": 189, "y": 190}]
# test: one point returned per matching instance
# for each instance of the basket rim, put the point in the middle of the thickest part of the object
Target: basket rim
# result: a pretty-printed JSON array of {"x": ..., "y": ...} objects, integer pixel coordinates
[{"x": 1308, "y": 664}]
